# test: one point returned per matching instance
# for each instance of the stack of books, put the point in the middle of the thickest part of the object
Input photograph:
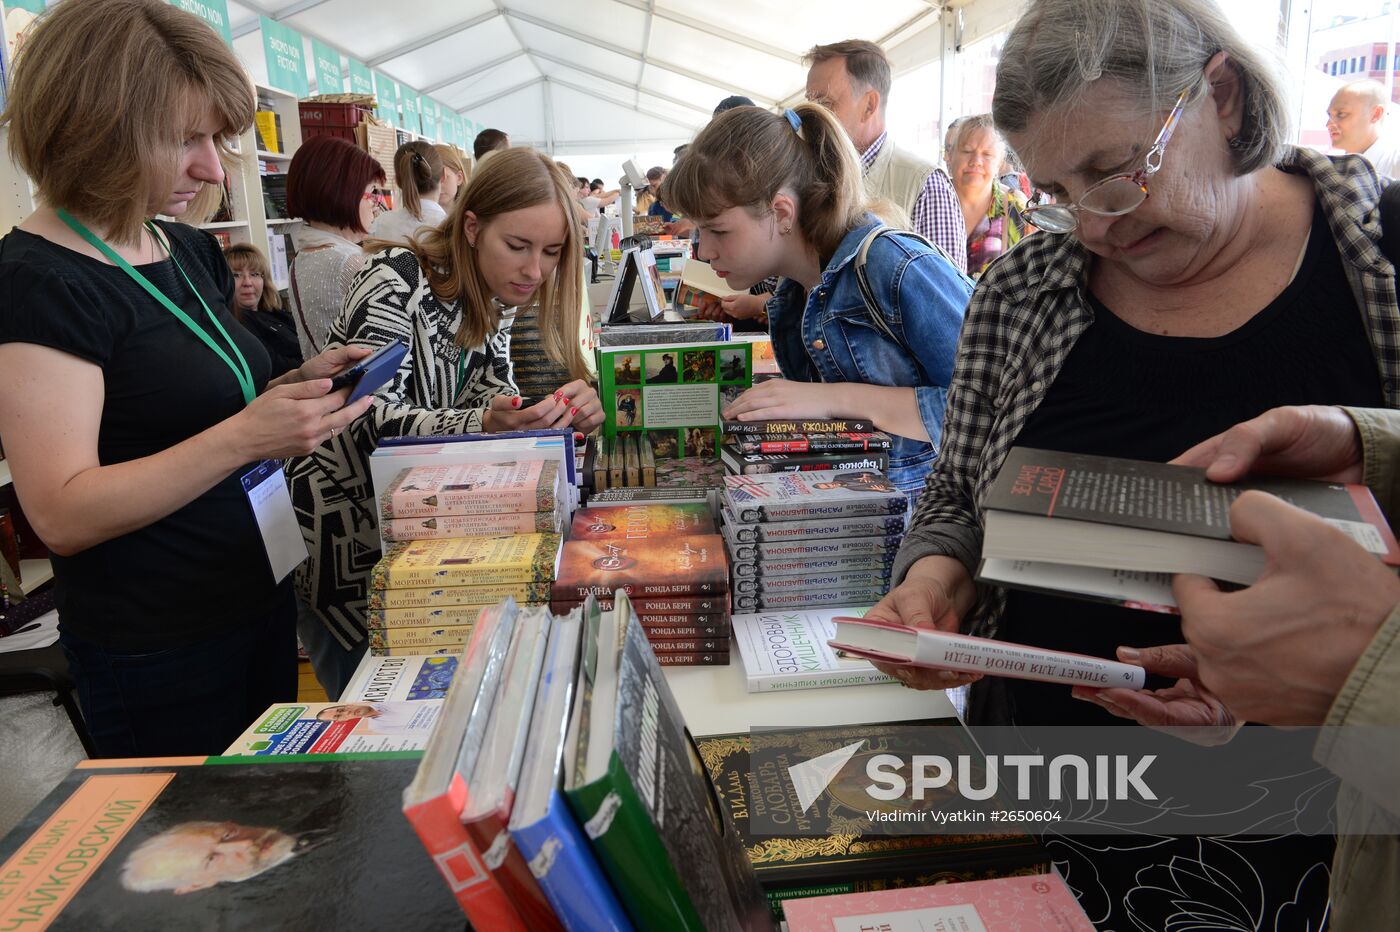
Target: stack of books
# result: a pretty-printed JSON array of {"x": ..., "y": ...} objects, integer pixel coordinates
[
  {"x": 536, "y": 375},
  {"x": 670, "y": 559},
  {"x": 684, "y": 630},
  {"x": 560, "y": 790},
  {"x": 811, "y": 539},
  {"x": 473, "y": 500},
  {"x": 757, "y": 447},
  {"x": 425, "y": 596}
]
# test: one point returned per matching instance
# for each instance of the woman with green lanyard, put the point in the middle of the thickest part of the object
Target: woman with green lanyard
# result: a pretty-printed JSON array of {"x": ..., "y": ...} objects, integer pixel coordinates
[{"x": 132, "y": 404}]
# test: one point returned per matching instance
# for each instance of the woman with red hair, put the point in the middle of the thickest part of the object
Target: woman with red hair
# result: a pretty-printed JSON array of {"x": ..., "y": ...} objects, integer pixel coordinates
[{"x": 331, "y": 186}]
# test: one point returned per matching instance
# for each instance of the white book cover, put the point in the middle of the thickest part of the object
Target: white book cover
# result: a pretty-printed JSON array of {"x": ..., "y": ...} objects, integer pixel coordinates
[
  {"x": 401, "y": 679},
  {"x": 788, "y": 650}
]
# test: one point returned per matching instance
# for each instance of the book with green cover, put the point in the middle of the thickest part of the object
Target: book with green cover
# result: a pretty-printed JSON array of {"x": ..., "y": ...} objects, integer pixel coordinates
[
  {"x": 637, "y": 785},
  {"x": 833, "y": 854},
  {"x": 466, "y": 561},
  {"x": 670, "y": 396}
]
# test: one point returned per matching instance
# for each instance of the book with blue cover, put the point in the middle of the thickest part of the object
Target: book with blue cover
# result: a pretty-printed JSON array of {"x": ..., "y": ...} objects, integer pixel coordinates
[{"x": 542, "y": 824}]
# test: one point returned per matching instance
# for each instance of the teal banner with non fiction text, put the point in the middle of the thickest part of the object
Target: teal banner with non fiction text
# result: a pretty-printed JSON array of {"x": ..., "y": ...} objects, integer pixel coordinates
[
  {"x": 361, "y": 80},
  {"x": 328, "y": 74},
  {"x": 213, "y": 12},
  {"x": 286, "y": 58},
  {"x": 386, "y": 96}
]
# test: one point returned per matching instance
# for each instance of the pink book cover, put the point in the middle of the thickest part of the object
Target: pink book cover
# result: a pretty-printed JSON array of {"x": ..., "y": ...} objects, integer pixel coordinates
[
  {"x": 472, "y": 488},
  {"x": 1040, "y": 902}
]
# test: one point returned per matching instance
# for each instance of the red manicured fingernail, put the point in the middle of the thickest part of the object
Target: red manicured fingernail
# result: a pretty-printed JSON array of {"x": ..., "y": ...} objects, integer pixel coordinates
[
  {"x": 578, "y": 436},
  {"x": 558, "y": 396},
  {"x": 573, "y": 411},
  {"x": 515, "y": 402}
]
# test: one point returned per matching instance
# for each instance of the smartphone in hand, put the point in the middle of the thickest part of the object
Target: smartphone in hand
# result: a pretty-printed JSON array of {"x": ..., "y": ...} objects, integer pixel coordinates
[{"x": 371, "y": 373}]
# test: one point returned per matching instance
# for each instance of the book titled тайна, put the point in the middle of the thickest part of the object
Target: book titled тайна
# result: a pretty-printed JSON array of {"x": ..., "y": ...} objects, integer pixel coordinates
[
  {"x": 1114, "y": 530},
  {"x": 892, "y": 642}
]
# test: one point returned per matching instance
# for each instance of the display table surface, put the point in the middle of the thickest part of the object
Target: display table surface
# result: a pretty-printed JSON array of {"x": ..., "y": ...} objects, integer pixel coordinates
[{"x": 716, "y": 701}]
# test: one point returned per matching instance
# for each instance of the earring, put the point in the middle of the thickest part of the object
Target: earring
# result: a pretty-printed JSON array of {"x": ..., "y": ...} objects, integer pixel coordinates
[{"x": 1238, "y": 143}]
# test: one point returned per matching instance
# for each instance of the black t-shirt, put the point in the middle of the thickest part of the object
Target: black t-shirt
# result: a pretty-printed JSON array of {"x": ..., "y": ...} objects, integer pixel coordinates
[
  {"x": 277, "y": 332},
  {"x": 1124, "y": 392},
  {"x": 202, "y": 569}
]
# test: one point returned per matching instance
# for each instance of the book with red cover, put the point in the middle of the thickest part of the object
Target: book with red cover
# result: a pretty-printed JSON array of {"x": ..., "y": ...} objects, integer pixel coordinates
[
  {"x": 1007, "y": 904},
  {"x": 691, "y": 565},
  {"x": 646, "y": 605},
  {"x": 692, "y": 658}
]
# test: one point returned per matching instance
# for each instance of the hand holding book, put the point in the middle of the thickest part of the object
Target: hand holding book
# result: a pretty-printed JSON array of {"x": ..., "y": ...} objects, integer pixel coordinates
[
  {"x": 1311, "y": 442},
  {"x": 936, "y": 593},
  {"x": 1187, "y": 708}
]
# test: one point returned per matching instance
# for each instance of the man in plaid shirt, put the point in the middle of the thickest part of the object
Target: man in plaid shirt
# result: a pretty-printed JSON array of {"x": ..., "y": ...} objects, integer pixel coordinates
[{"x": 852, "y": 80}]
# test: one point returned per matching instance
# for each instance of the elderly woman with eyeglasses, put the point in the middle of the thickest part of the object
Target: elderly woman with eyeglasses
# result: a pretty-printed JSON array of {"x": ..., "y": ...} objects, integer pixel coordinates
[{"x": 1193, "y": 271}]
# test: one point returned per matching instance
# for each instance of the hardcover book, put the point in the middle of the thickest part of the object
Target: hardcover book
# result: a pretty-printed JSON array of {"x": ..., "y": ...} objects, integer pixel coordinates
[
  {"x": 1009, "y": 904},
  {"x": 834, "y": 854},
  {"x": 472, "y": 489},
  {"x": 1117, "y": 514},
  {"x": 636, "y": 785},
  {"x": 693, "y": 565},
  {"x": 816, "y": 582},
  {"x": 668, "y": 658},
  {"x": 466, "y": 561},
  {"x": 400, "y": 679},
  {"x": 490, "y": 525},
  {"x": 876, "y": 565},
  {"x": 788, "y": 650},
  {"x": 646, "y": 605},
  {"x": 222, "y": 843},
  {"x": 755, "y": 464},
  {"x": 523, "y": 593},
  {"x": 638, "y": 522},
  {"x": 812, "y": 496},
  {"x": 338, "y": 728},
  {"x": 800, "y": 426},
  {"x": 451, "y": 636},
  {"x": 805, "y": 549},
  {"x": 849, "y": 442}
]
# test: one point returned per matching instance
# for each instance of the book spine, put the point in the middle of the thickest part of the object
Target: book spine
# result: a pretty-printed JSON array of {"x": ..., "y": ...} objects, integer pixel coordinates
[
  {"x": 811, "y": 443},
  {"x": 559, "y": 857},
  {"x": 687, "y": 631},
  {"x": 685, "y": 605},
  {"x": 798, "y": 427},
  {"x": 651, "y": 620},
  {"x": 819, "y": 530},
  {"x": 475, "y": 596},
  {"x": 473, "y": 502},
  {"x": 576, "y": 592},
  {"x": 617, "y": 462},
  {"x": 875, "y": 564},
  {"x": 750, "y": 465},
  {"x": 477, "y": 890},
  {"x": 839, "y": 547},
  {"x": 760, "y": 585},
  {"x": 536, "y": 522},
  {"x": 386, "y": 638},
  {"x": 683, "y": 645},
  {"x": 821, "y": 597},
  {"x": 818, "y": 511},
  {"x": 786, "y": 682},
  {"x": 431, "y": 577},
  {"x": 692, "y": 659},
  {"x": 394, "y": 618}
]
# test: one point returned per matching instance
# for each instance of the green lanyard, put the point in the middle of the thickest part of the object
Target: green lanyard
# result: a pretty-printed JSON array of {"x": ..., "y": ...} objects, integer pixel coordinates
[{"x": 240, "y": 370}]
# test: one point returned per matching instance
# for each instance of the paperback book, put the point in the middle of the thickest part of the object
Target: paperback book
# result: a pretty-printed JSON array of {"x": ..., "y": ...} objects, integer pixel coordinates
[
  {"x": 788, "y": 650},
  {"x": 754, "y": 464},
  {"x": 400, "y": 679},
  {"x": 761, "y": 531},
  {"x": 875, "y": 564},
  {"x": 849, "y": 442},
  {"x": 641, "y": 521},
  {"x": 490, "y": 525},
  {"x": 800, "y": 426},
  {"x": 338, "y": 728},
  {"x": 767, "y": 602},
  {"x": 472, "y": 596},
  {"x": 529, "y": 486}
]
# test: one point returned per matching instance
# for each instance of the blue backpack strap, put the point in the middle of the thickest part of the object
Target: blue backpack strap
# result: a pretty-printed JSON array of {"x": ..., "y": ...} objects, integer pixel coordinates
[{"x": 872, "y": 306}]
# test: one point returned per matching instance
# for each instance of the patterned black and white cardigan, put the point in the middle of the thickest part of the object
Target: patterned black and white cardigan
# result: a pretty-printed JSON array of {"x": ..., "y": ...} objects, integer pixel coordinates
[{"x": 441, "y": 388}]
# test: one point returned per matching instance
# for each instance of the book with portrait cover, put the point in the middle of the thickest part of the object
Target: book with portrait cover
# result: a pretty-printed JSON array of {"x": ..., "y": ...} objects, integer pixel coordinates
[
  {"x": 1008, "y": 904},
  {"x": 466, "y": 561},
  {"x": 223, "y": 843},
  {"x": 1106, "y": 513},
  {"x": 812, "y": 496},
  {"x": 692, "y": 565},
  {"x": 527, "y": 485},
  {"x": 338, "y": 728},
  {"x": 641, "y": 521},
  {"x": 833, "y": 854}
]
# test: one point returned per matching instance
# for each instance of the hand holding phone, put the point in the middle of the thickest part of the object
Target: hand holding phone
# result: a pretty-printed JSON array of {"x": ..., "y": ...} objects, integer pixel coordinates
[{"x": 371, "y": 373}]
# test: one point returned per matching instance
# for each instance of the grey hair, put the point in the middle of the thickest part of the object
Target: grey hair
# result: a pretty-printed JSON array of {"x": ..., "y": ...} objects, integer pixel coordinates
[{"x": 1157, "y": 48}]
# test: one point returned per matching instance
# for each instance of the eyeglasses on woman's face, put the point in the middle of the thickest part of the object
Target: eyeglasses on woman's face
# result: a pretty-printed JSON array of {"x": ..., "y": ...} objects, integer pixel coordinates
[
  {"x": 376, "y": 200},
  {"x": 1115, "y": 195}
]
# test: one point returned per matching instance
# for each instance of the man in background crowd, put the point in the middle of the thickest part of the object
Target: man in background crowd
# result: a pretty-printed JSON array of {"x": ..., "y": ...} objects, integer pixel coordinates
[
  {"x": 488, "y": 141},
  {"x": 852, "y": 80},
  {"x": 1356, "y": 123}
]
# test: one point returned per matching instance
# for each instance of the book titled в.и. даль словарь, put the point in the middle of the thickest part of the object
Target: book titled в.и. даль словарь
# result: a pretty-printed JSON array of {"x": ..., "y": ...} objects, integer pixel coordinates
[{"x": 1118, "y": 526}]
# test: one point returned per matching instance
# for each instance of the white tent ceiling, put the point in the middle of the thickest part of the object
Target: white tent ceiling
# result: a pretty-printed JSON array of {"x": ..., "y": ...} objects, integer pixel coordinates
[{"x": 592, "y": 76}]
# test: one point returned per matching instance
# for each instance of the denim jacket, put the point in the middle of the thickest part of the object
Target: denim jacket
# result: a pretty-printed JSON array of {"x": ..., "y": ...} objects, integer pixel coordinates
[{"x": 829, "y": 336}]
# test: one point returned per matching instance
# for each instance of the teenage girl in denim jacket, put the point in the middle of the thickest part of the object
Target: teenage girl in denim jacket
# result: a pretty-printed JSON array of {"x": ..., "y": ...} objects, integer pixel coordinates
[{"x": 783, "y": 195}]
